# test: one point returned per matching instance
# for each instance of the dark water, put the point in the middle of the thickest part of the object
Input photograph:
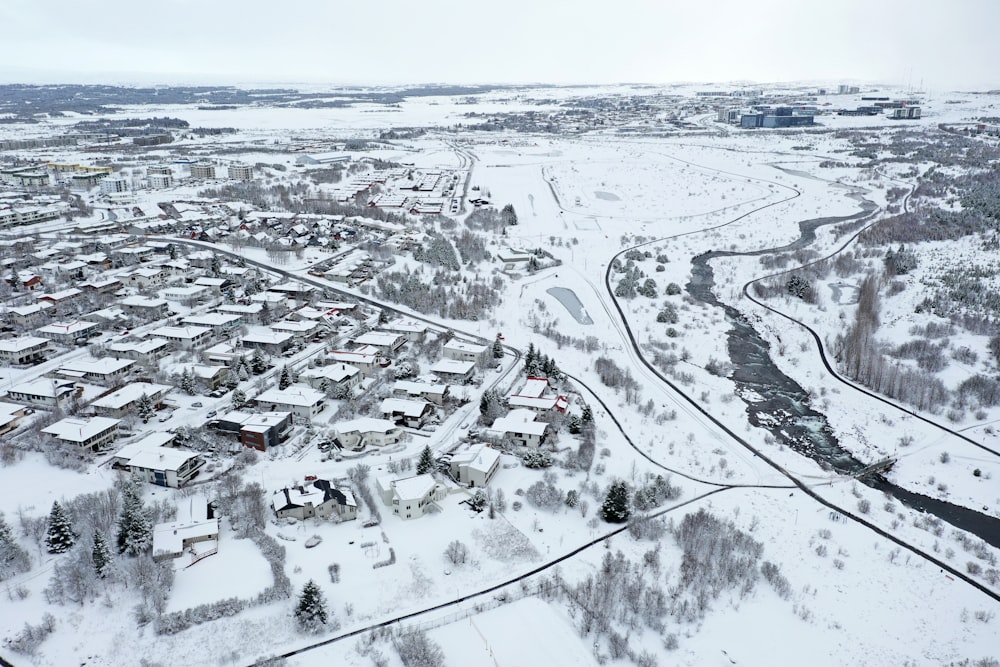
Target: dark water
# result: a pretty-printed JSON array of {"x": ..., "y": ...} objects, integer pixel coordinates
[{"x": 778, "y": 403}]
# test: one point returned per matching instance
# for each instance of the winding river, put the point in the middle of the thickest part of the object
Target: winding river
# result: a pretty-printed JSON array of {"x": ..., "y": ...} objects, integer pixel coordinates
[{"x": 779, "y": 404}]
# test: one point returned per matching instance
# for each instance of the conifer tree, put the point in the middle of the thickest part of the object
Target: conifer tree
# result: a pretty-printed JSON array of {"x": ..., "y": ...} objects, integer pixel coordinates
[
  {"x": 587, "y": 416},
  {"x": 239, "y": 399},
  {"x": 615, "y": 508},
  {"x": 187, "y": 383},
  {"x": 13, "y": 558},
  {"x": 426, "y": 462},
  {"x": 258, "y": 364},
  {"x": 145, "y": 408},
  {"x": 311, "y": 612},
  {"x": 60, "y": 536},
  {"x": 232, "y": 378},
  {"x": 135, "y": 528},
  {"x": 497, "y": 349},
  {"x": 101, "y": 555},
  {"x": 285, "y": 380}
]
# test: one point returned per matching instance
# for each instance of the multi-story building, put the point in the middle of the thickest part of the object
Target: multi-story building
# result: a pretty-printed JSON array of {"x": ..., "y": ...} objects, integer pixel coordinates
[
  {"x": 203, "y": 170},
  {"x": 93, "y": 433},
  {"x": 23, "y": 350},
  {"x": 114, "y": 184},
  {"x": 241, "y": 172}
]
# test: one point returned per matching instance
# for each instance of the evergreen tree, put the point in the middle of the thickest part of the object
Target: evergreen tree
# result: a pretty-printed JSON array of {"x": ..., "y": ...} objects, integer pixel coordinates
[
  {"x": 530, "y": 358},
  {"x": 239, "y": 399},
  {"x": 426, "y": 462},
  {"x": 497, "y": 349},
  {"x": 285, "y": 380},
  {"x": 135, "y": 527},
  {"x": 311, "y": 611},
  {"x": 573, "y": 424},
  {"x": 587, "y": 417},
  {"x": 101, "y": 555},
  {"x": 232, "y": 379},
  {"x": 187, "y": 383},
  {"x": 144, "y": 408},
  {"x": 13, "y": 558},
  {"x": 216, "y": 267},
  {"x": 508, "y": 214},
  {"x": 257, "y": 363},
  {"x": 172, "y": 251},
  {"x": 615, "y": 508},
  {"x": 60, "y": 536},
  {"x": 265, "y": 313},
  {"x": 243, "y": 371}
]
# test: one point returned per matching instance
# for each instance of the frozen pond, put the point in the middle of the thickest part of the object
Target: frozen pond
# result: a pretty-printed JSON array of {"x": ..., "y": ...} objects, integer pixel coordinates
[
  {"x": 606, "y": 196},
  {"x": 571, "y": 302}
]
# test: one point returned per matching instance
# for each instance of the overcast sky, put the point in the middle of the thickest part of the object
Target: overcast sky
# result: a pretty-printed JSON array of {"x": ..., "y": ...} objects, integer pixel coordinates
[{"x": 947, "y": 44}]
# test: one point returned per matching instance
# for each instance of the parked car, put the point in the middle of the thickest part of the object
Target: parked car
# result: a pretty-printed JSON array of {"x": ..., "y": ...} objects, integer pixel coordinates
[
  {"x": 212, "y": 413},
  {"x": 163, "y": 418},
  {"x": 197, "y": 404}
]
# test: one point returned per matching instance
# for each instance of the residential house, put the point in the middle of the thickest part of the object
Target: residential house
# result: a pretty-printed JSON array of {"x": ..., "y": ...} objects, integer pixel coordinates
[
  {"x": 300, "y": 330},
  {"x": 61, "y": 297},
  {"x": 410, "y": 497},
  {"x": 212, "y": 377},
  {"x": 475, "y": 466},
  {"x": 249, "y": 313},
  {"x": 105, "y": 370},
  {"x": 221, "y": 324},
  {"x": 228, "y": 354},
  {"x": 302, "y": 401},
  {"x": 10, "y": 415},
  {"x": 147, "y": 277},
  {"x": 320, "y": 498},
  {"x": 186, "y": 295},
  {"x": 267, "y": 340},
  {"x": 383, "y": 341},
  {"x": 91, "y": 433},
  {"x": 199, "y": 538},
  {"x": 147, "y": 351},
  {"x": 359, "y": 433},
  {"x": 68, "y": 333},
  {"x": 454, "y": 371},
  {"x": 259, "y": 430},
  {"x": 27, "y": 316},
  {"x": 277, "y": 302},
  {"x": 367, "y": 362},
  {"x": 435, "y": 393},
  {"x": 185, "y": 338},
  {"x": 125, "y": 401},
  {"x": 520, "y": 426},
  {"x": 463, "y": 351},
  {"x": 42, "y": 392},
  {"x": 24, "y": 350},
  {"x": 103, "y": 286},
  {"x": 164, "y": 466},
  {"x": 406, "y": 412},
  {"x": 333, "y": 377},
  {"x": 143, "y": 307}
]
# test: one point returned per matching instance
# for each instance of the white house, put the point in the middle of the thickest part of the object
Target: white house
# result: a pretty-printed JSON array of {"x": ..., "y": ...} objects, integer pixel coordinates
[
  {"x": 250, "y": 313},
  {"x": 410, "y": 497},
  {"x": 186, "y": 295},
  {"x": 463, "y": 351},
  {"x": 93, "y": 433},
  {"x": 23, "y": 350},
  {"x": 164, "y": 466},
  {"x": 185, "y": 338},
  {"x": 222, "y": 324},
  {"x": 435, "y": 393},
  {"x": 475, "y": 466},
  {"x": 454, "y": 371},
  {"x": 68, "y": 333},
  {"x": 42, "y": 392},
  {"x": 148, "y": 308},
  {"x": 334, "y": 375},
  {"x": 126, "y": 400},
  {"x": 383, "y": 341},
  {"x": 368, "y": 363},
  {"x": 198, "y": 537},
  {"x": 319, "y": 498},
  {"x": 520, "y": 426},
  {"x": 302, "y": 401},
  {"x": 145, "y": 351},
  {"x": 106, "y": 370},
  {"x": 358, "y": 433}
]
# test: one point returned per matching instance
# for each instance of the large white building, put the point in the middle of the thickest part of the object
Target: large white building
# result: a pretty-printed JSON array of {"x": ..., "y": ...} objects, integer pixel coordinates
[
  {"x": 93, "y": 433},
  {"x": 303, "y": 402}
]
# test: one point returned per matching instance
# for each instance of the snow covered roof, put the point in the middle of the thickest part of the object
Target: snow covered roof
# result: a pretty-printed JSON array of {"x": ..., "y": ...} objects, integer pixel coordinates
[
  {"x": 183, "y": 333},
  {"x": 161, "y": 458},
  {"x": 540, "y": 403},
  {"x": 335, "y": 372},
  {"x": 102, "y": 366},
  {"x": 404, "y": 406},
  {"x": 130, "y": 394},
  {"x": 144, "y": 346},
  {"x": 420, "y": 388},
  {"x": 477, "y": 457},
  {"x": 67, "y": 328},
  {"x": 76, "y": 429},
  {"x": 169, "y": 538},
  {"x": 267, "y": 337},
  {"x": 300, "y": 326},
  {"x": 463, "y": 346},
  {"x": 378, "y": 338},
  {"x": 413, "y": 488},
  {"x": 294, "y": 395},
  {"x": 211, "y": 319},
  {"x": 43, "y": 387},
  {"x": 534, "y": 387},
  {"x": 143, "y": 302},
  {"x": 519, "y": 421},
  {"x": 453, "y": 367},
  {"x": 22, "y": 343},
  {"x": 366, "y": 425}
]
